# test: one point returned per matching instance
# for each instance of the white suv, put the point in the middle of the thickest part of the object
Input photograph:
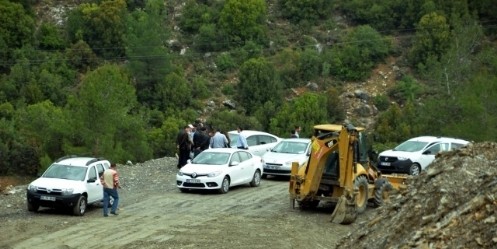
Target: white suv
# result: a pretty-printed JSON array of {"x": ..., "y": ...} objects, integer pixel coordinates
[
  {"x": 70, "y": 182},
  {"x": 416, "y": 154}
]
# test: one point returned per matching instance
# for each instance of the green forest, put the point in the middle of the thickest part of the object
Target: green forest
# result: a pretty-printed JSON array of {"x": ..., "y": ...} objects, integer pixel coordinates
[{"x": 119, "y": 78}]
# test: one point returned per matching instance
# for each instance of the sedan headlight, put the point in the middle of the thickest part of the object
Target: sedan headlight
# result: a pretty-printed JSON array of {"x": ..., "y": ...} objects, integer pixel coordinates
[
  {"x": 402, "y": 158},
  {"x": 67, "y": 191},
  {"x": 214, "y": 174}
]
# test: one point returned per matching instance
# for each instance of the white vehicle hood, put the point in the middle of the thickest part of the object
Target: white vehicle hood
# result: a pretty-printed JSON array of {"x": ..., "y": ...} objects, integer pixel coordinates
[
  {"x": 282, "y": 158},
  {"x": 201, "y": 168},
  {"x": 55, "y": 183}
]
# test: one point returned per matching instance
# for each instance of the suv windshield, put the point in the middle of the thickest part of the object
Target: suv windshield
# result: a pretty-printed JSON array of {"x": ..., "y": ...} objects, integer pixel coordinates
[
  {"x": 410, "y": 146},
  {"x": 65, "y": 172}
]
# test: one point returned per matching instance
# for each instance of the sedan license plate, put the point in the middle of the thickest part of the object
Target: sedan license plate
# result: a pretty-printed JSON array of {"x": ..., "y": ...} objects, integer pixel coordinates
[
  {"x": 193, "y": 180},
  {"x": 47, "y": 198},
  {"x": 384, "y": 163}
]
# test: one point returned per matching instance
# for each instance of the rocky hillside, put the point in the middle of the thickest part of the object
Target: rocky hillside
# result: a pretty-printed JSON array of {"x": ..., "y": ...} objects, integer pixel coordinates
[{"x": 451, "y": 205}]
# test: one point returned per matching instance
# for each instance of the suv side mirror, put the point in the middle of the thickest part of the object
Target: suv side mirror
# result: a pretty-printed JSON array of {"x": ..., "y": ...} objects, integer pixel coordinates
[
  {"x": 428, "y": 152},
  {"x": 93, "y": 179}
]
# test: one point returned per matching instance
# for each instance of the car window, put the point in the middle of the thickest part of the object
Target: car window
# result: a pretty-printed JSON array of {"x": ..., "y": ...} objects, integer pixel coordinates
[
  {"x": 252, "y": 140},
  {"x": 264, "y": 139},
  {"x": 244, "y": 156},
  {"x": 410, "y": 146},
  {"x": 100, "y": 169},
  {"x": 456, "y": 146},
  {"x": 211, "y": 158},
  {"x": 62, "y": 171},
  {"x": 435, "y": 149},
  {"x": 236, "y": 158},
  {"x": 92, "y": 174}
]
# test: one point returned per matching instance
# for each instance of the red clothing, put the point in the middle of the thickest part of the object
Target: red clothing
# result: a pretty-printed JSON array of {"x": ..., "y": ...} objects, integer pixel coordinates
[{"x": 110, "y": 179}]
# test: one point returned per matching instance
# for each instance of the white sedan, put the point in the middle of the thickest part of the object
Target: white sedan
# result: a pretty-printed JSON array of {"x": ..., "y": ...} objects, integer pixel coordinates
[
  {"x": 220, "y": 168},
  {"x": 278, "y": 161}
]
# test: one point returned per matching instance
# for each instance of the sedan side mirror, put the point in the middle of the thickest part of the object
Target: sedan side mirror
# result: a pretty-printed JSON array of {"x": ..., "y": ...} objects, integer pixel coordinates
[{"x": 234, "y": 163}]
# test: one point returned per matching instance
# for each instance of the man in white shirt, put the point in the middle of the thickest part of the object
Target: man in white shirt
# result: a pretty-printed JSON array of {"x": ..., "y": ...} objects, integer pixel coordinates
[{"x": 241, "y": 143}]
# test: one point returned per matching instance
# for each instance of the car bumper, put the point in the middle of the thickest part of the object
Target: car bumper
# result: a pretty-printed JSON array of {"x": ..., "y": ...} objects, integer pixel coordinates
[
  {"x": 395, "y": 167},
  {"x": 47, "y": 200},
  {"x": 203, "y": 182},
  {"x": 277, "y": 170}
]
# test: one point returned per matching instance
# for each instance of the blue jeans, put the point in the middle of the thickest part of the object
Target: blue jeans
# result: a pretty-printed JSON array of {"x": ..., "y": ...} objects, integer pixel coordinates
[{"x": 108, "y": 192}]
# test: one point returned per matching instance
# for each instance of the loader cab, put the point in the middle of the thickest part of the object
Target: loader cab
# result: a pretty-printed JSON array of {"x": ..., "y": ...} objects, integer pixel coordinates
[{"x": 362, "y": 149}]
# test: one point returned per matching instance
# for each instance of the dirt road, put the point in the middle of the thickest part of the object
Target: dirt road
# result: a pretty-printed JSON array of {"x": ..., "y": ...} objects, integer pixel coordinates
[{"x": 163, "y": 217}]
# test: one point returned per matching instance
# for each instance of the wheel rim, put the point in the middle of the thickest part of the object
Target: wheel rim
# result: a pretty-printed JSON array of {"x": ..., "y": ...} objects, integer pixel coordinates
[
  {"x": 82, "y": 206},
  {"x": 361, "y": 196},
  {"x": 257, "y": 178},
  {"x": 226, "y": 185},
  {"x": 414, "y": 170}
]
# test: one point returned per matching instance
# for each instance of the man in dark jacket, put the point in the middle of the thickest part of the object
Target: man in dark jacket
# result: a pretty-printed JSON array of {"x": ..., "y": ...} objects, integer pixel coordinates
[
  {"x": 184, "y": 145},
  {"x": 200, "y": 141}
]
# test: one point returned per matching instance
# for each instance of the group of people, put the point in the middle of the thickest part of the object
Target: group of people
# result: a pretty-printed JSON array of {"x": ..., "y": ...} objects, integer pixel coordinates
[{"x": 194, "y": 139}]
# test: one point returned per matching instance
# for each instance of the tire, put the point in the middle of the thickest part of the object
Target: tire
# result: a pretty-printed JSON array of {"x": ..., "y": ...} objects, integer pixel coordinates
[
  {"x": 264, "y": 176},
  {"x": 184, "y": 190},
  {"x": 111, "y": 201},
  {"x": 32, "y": 207},
  {"x": 361, "y": 183},
  {"x": 381, "y": 192},
  {"x": 256, "y": 179},
  {"x": 80, "y": 208},
  {"x": 415, "y": 169},
  {"x": 308, "y": 204},
  {"x": 225, "y": 185}
]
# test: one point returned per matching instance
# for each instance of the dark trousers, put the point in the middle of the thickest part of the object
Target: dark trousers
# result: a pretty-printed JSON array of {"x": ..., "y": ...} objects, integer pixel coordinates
[
  {"x": 184, "y": 155},
  {"x": 110, "y": 192}
]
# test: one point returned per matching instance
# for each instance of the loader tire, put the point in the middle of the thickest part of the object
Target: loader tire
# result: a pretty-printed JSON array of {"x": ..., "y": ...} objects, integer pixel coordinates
[
  {"x": 381, "y": 192},
  {"x": 361, "y": 200}
]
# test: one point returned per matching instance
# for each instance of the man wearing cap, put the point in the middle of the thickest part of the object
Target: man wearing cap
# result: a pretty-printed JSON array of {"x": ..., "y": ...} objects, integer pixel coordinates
[{"x": 184, "y": 144}]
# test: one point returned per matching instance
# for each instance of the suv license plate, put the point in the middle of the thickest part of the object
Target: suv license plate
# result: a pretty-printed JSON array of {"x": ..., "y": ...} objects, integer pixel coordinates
[
  {"x": 385, "y": 163},
  {"x": 47, "y": 198},
  {"x": 193, "y": 180}
]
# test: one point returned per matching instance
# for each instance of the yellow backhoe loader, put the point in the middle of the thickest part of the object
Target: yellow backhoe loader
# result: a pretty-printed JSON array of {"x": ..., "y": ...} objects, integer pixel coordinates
[{"x": 339, "y": 171}]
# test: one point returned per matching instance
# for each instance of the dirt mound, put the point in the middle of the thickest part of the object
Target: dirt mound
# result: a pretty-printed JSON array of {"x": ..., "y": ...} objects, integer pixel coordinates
[{"x": 451, "y": 205}]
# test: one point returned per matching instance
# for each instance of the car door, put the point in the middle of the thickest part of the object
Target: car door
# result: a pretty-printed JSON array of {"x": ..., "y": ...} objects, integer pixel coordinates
[
  {"x": 248, "y": 167},
  {"x": 236, "y": 169},
  {"x": 429, "y": 153},
  {"x": 93, "y": 186},
  {"x": 266, "y": 143},
  {"x": 254, "y": 147}
]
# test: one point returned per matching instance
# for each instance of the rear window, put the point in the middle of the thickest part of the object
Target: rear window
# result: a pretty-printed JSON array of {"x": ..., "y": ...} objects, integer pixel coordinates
[{"x": 456, "y": 146}]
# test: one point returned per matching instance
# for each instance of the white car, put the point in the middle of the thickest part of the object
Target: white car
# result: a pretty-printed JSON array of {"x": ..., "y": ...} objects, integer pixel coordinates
[
  {"x": 70, "y": 182},
  {"x": 415, "y": 154},
  {"x": 259, "y": 142},
  {"x": 278, "y": 161},
  {"x": 220, "y": 169}
]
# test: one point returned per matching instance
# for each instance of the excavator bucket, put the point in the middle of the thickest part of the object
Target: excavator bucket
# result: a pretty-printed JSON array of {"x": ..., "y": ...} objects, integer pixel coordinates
[{"x": 344, "y": 213}]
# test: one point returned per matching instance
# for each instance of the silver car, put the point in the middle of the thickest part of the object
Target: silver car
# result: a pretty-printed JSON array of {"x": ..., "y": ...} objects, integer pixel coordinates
[{"x": 278, "y": 161}]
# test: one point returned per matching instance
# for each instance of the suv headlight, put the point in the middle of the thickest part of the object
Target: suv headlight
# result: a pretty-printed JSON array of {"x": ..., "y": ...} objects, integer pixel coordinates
[
  {"x": 180, "y": 173},
  {"x": 402, "y": 158},
  {"x": 214, "y": 174},
  {"x": 67, "y": 191},
  {"x": 31, "y": 188}
]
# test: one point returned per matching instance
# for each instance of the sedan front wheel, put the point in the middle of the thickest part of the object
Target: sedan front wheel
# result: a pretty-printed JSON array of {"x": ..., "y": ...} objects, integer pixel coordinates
[
  {"x": 225, "y": 185},
  {"x": 256, "y": 180}
]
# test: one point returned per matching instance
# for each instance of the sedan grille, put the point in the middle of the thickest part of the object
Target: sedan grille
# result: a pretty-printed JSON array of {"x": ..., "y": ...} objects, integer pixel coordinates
[{"x": 194, "y": 185}]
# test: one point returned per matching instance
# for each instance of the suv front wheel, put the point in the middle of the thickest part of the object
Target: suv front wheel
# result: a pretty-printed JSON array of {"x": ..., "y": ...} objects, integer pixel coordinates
[
  {"x": 415, "y": 169},
  {"x": 33, "y": 207},
  {"x": 80, "y": 208}
]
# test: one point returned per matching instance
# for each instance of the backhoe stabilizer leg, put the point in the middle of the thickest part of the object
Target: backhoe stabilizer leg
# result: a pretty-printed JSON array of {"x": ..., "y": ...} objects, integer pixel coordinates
[{"x": 345, "y": 212}]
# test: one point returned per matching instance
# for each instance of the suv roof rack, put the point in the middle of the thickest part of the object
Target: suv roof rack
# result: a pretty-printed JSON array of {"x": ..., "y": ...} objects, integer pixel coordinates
[
  {"x": 65, "y": 157},
  {"x": 94, "y": 160}
]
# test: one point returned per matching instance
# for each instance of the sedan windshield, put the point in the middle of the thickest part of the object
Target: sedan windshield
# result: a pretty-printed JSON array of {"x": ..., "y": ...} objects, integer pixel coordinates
[
  {"x": 66, "y": 172},
  {"x": 233, "y": 139},
  {"x": 212, "y": 158},
  {"x": 290, "y": 147},
  {"x": 411, "y": 146}
]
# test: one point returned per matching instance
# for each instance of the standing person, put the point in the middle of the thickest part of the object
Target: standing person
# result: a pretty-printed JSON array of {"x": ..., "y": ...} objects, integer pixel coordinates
[
  {"x": 241, "y": 143},
  {"x": 110, "y": 182},
  {"x": 297, "y": 131},
  {"x": 183, "y": 143},
  {"x": 292, "y": 134},
  {"x": 218, "y": 140},
  {"x": 200, "y": 141}
]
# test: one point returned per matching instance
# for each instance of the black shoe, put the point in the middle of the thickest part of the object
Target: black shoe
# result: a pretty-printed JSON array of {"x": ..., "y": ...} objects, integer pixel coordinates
[
  {"x": 114, "y": 213},
  {"x": 106, "y": 215}
]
